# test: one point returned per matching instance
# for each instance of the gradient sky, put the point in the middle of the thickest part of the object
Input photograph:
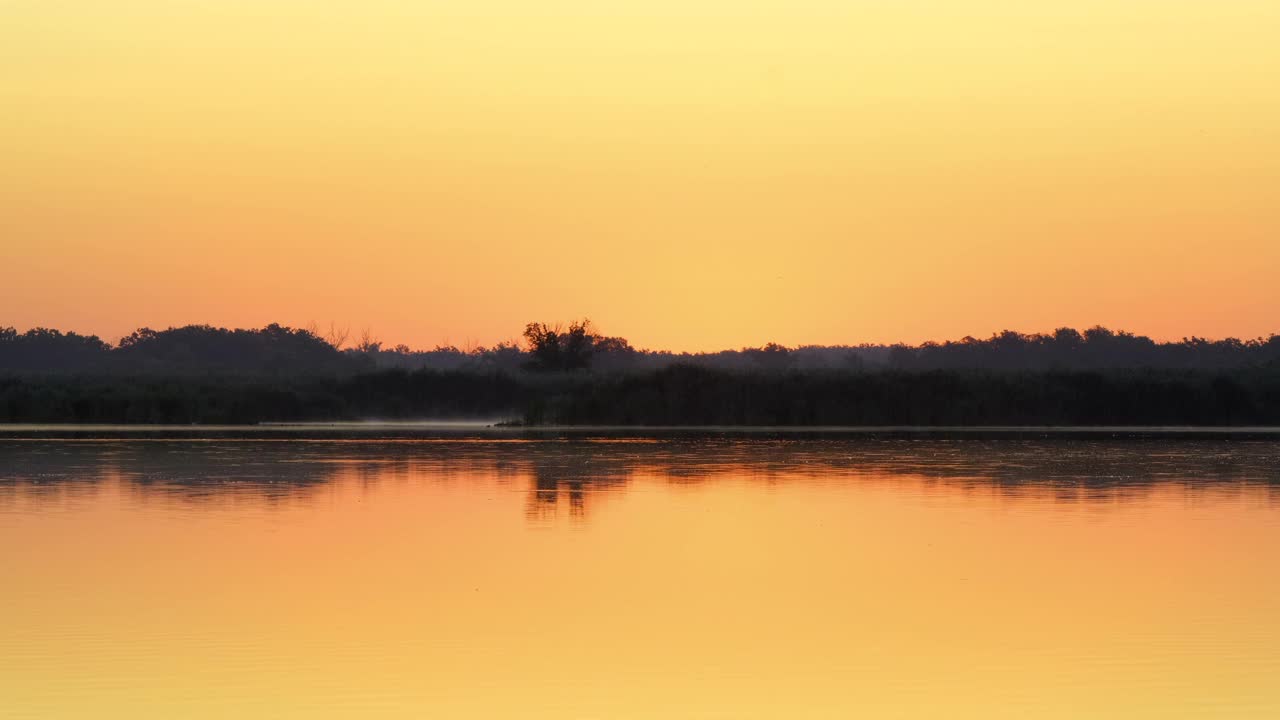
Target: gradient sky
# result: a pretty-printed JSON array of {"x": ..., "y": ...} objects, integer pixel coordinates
[{"x": 691, "y": 175}]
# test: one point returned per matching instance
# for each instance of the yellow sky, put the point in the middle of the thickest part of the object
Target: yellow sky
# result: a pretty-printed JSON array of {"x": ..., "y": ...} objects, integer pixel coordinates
[{"x": 691, "y": 175}]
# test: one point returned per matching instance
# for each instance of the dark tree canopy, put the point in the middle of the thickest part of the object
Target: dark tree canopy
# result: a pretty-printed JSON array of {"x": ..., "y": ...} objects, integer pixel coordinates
[
  {"x": 278, "y": 350},
  {"x": 44, "y": 350},
  {"x": 200, "y": 349},
  {"x": 556, "y": 349},
  {"x": 273, "y": 350}
]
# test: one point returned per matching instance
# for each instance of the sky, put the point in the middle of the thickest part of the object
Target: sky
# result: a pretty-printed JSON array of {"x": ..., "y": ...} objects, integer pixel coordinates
[{"x": 690, "y": 175}]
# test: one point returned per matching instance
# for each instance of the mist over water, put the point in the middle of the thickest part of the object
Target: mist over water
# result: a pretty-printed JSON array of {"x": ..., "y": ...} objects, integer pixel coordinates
[{"x": 405, "y": 573}]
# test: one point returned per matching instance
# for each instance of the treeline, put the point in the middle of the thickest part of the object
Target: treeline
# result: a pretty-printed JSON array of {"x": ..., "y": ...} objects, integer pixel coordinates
[
  {"x": 686, "y": 395},
  {"x": 201, "y": 349},
  {"x": 678, "y": 395},
  {"x": 579, "y": 347},
  {"x": 277, "y": 351},
  {"x": 1095, "y": 348},
  {"x": 392, "y": 394}
]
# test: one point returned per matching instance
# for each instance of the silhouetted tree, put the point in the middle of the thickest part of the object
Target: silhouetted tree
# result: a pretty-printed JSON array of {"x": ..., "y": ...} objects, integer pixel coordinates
[
  {"x": 554, "y": 349},
  {"x": 368, "y": 344}
]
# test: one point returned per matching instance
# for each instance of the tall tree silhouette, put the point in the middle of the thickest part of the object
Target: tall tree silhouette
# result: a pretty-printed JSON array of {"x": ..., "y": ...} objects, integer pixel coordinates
[{"x": 556, "y": 349}]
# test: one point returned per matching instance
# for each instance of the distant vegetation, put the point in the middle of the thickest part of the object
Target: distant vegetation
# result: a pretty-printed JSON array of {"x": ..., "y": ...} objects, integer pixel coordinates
[
  {"x": 282, "y": 351},
  {"x": 271, "y": 351},
  {"x": 677, "y": 395},
  {"x": 574, "y": 375}
]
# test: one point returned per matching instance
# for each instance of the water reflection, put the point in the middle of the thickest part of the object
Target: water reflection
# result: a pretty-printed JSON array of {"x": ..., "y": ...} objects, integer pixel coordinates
[
  {"x": 673, "y": 577},
  {"x": 563, "y": 474}
]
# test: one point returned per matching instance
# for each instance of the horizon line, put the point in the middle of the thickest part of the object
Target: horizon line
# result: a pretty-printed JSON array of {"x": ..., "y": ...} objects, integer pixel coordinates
[{"x": 470, "y": 346}]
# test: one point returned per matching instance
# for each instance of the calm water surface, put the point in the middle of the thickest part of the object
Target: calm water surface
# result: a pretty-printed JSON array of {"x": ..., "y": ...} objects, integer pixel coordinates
[{"x": 316, "y": 574}]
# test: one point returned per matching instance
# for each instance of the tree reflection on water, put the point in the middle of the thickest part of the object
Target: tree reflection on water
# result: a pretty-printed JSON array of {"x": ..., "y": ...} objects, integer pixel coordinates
[{"x": 560, "y": 472}]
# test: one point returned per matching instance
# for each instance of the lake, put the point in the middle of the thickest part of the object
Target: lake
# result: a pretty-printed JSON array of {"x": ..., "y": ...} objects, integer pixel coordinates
[{"x": 473, "y": 573}]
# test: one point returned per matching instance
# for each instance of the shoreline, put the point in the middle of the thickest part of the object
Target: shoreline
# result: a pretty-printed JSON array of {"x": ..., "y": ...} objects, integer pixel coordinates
[{"x": 432, "y": 428}]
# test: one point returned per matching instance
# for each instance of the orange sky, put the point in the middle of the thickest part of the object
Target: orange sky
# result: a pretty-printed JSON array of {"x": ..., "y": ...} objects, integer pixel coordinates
[{"x": 691, "y": 175}]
